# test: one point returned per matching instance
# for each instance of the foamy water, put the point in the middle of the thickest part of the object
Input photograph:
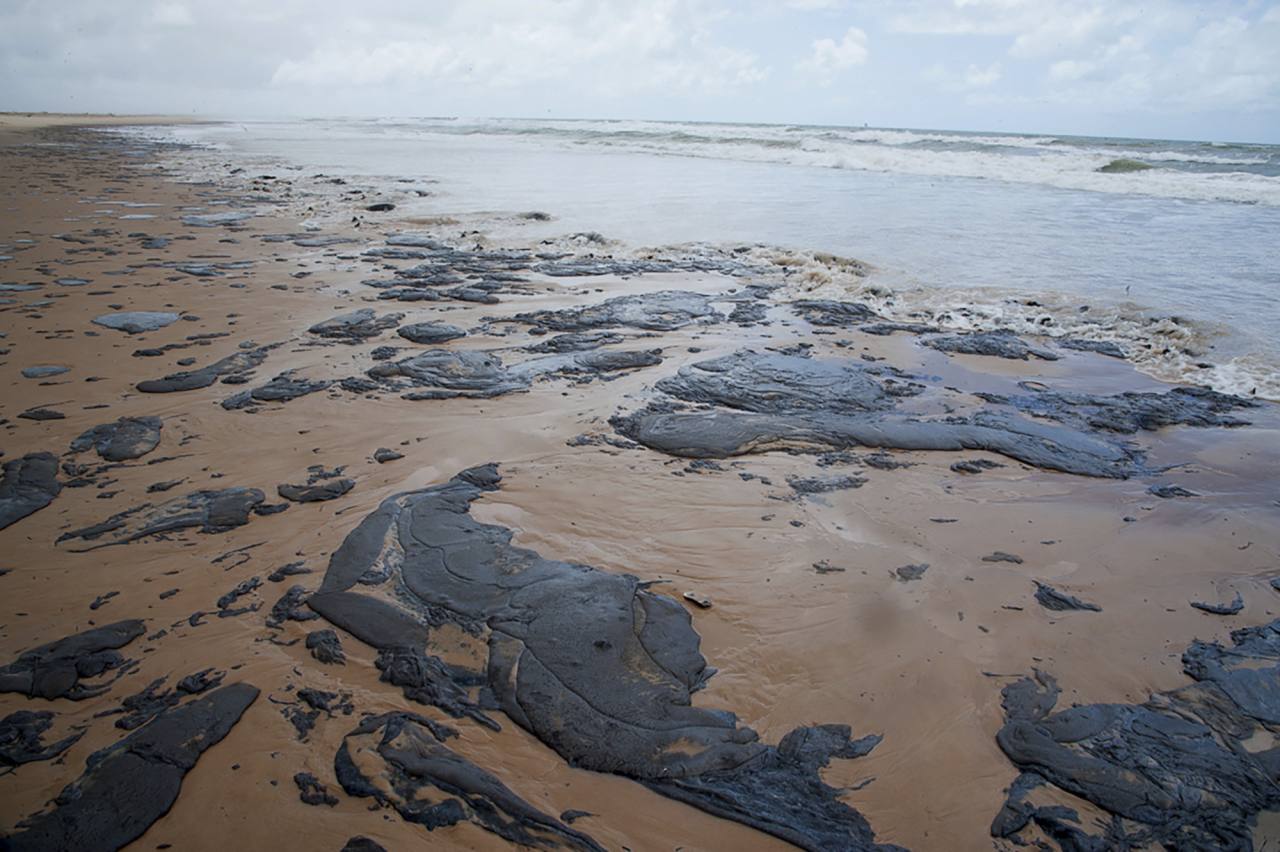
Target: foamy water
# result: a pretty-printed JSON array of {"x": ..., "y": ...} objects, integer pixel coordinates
[
  {"x": 1242, "y": 173},
  {"x": 1174, "y": 257}
]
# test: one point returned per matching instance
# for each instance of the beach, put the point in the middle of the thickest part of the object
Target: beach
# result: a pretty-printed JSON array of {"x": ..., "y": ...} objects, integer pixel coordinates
[{"x": 718, "y": 483}]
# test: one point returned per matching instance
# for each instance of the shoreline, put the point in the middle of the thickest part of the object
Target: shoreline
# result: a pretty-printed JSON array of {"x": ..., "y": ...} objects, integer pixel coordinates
[
  {"x": 18, "y": 127},
  {"x": 1165, "y": 333},
  {"x": 34, "y": 120},
  {"x": 854, "y": 643}
]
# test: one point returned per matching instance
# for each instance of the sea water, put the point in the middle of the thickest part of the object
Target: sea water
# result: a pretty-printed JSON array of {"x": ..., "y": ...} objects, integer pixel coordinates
[{"x": 1171, "y": 247}]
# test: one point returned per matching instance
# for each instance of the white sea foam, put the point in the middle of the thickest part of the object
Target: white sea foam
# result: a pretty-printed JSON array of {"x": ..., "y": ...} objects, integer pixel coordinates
[
  {"x": 1247, "y": 174},
  {"x": 1164, "y": 346},
  {"x": 1180, "y": 157},
  {"x": 1064, "y": 163},
  {"x": 1066, "y": 169}
]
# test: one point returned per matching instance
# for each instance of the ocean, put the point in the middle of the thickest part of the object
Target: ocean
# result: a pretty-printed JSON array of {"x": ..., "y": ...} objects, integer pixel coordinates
[{"x": 1169, "y": 248}]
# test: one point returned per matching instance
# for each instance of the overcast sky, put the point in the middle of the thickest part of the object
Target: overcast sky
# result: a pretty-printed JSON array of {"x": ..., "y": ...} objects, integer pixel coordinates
[{"x": 1159, "y": 68}]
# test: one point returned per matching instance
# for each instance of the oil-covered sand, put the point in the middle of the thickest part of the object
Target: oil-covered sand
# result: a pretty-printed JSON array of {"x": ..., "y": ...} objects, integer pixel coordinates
[{"x": 784, "y": 463}]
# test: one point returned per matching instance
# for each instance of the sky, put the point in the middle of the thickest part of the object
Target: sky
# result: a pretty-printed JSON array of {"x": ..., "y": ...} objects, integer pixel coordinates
[{"x": 1145, "y": 68}]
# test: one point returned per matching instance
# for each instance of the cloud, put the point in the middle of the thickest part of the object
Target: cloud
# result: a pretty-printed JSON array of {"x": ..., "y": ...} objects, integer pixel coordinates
[
  {"x": 610, "y": 48},
  {"x": 1136, "y": 64},
  {"x": 829, "y": 57},
  {"x": 1157, "y": 56},
  {"x": 376, "y": 56},
  {"x": 972, "y": 78},
  {"x": 815, "y": 5},
  {"x": 979, "y": 78},
  {"x": 1230, "y": 62},
  {"x": 172, "y": 15},
  {"x": 1037, "y": 28},
  {"x": 1071, "y": 69},
  {"x": 962, "y": 17}
]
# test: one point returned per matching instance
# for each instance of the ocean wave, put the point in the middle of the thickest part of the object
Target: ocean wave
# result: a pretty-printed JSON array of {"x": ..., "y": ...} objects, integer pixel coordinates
[
  {"x": 1248, "y": 174},
  {"x": 915, "y": 137},
  {"x": 659, "y": 132},
  {"x": 1197, "y": 158},
  {"x": 1124, "y": 165},
  {"x": 1076, "y": 170},
  {"x": 1198, "y": 173}
]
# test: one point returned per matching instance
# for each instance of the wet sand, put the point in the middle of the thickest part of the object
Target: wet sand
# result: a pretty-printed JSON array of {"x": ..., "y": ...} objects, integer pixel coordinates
[{"x": 921, "y": 662}]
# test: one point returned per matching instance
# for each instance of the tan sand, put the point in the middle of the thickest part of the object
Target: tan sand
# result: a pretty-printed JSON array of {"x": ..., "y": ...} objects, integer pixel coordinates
[
  {"x": 17, "y": 128},
  {"x": 19, "y": 121},
  {"x": 920, "y": 662}
]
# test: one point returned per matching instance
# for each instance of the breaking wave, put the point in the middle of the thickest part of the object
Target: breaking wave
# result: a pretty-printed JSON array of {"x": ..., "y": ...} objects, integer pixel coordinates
[{"x": 1242, "y": 173}]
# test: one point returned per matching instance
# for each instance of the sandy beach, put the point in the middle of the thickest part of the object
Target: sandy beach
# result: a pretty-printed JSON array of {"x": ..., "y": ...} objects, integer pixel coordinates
[
  {"x": 880, "y": 527},
  {"x": 17, "y": 127}
]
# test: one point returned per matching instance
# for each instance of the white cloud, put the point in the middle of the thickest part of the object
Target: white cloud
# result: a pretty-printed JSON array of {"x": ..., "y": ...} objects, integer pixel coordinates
[
  {"x": 609, "y": 48},
  {"x": 1140, "y": 64},
  {"x": 1037, "y": 27},
  {"x": 972, "y": 78},
  {"x": 1119, "y": 55},
  {"x": 172, "y": 15},
  {"x": 1071, "y": 69},
  {"x": 979, "y": 78},
  {"x": 829, "y": 57},
  {"x": 815, "y": 5},
  {"x": 962, "y": 17},
  {"x": 1230, "y": 62}
]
